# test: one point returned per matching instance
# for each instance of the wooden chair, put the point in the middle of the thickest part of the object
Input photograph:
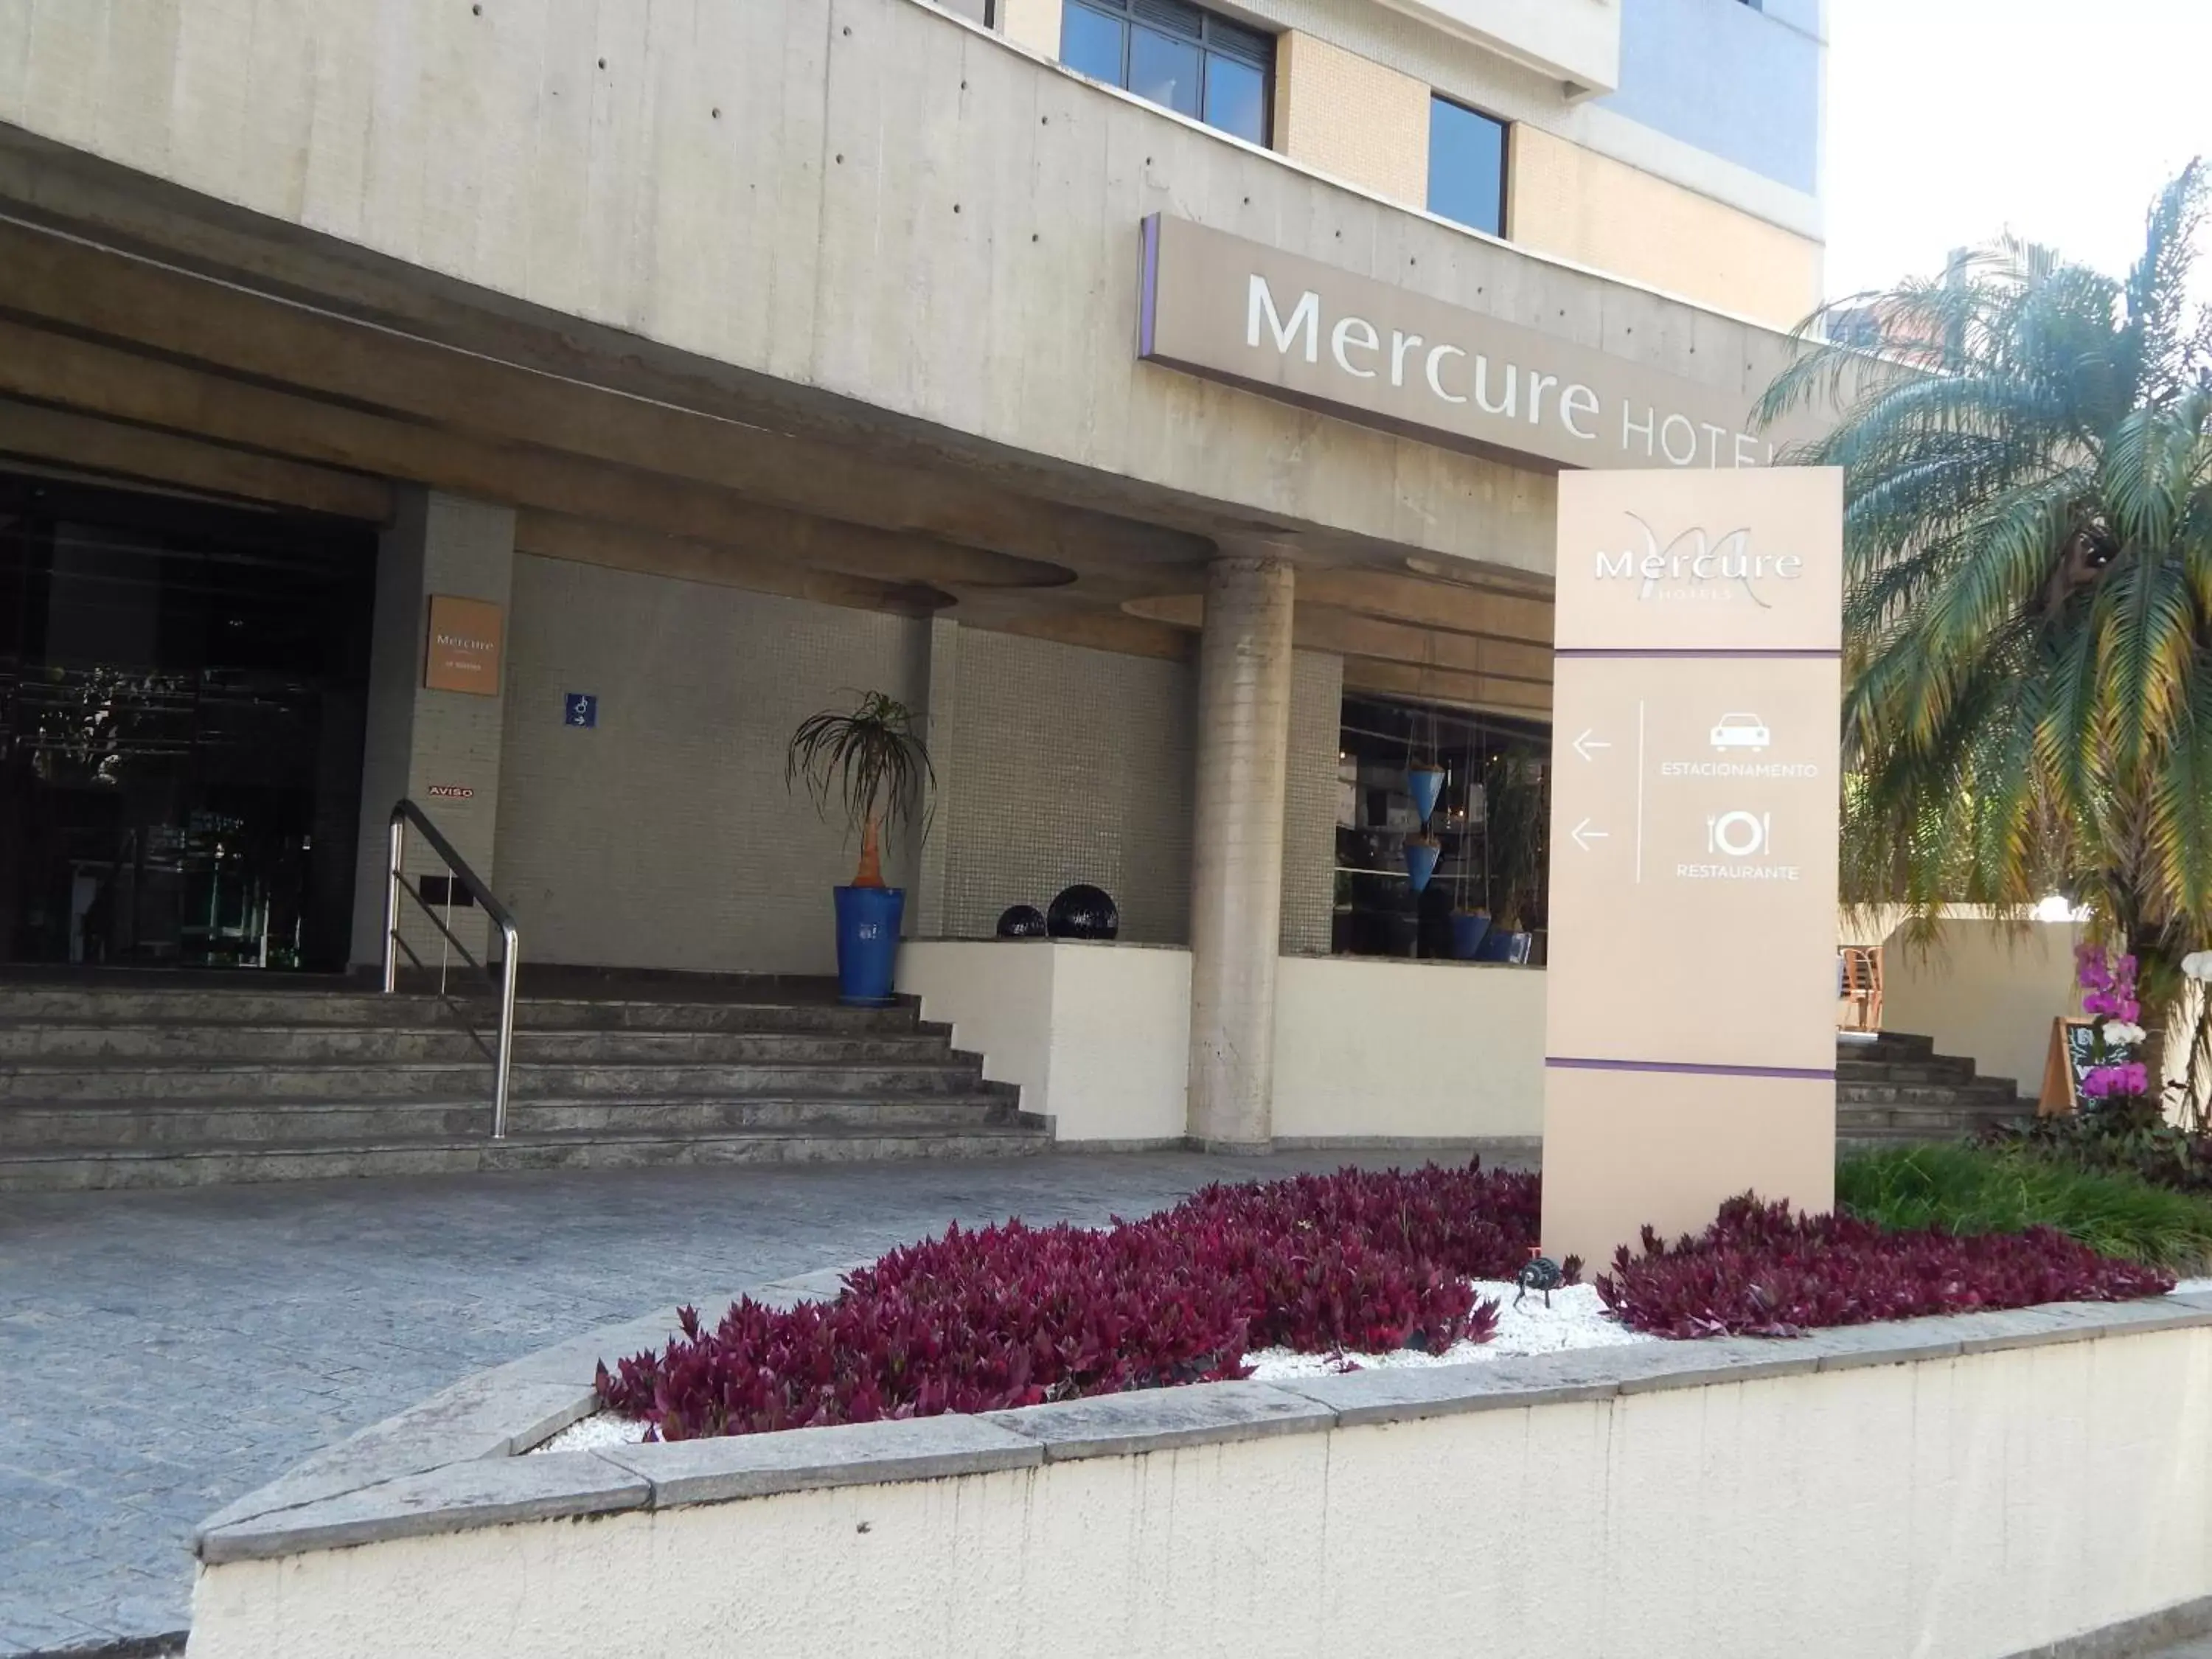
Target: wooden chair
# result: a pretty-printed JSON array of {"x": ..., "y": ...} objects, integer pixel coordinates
[{"x": 1860, "y": 988}]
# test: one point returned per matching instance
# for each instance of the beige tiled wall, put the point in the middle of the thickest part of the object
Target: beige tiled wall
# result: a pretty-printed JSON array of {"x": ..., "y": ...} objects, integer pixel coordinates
[
  {"x": 1570, "y": 201},
  {"x": 666, "y": 838},
  {"x": 1310, "y": 804},
  {"x": 1031, "y": 23},
  {"x": 1073, "y": 765},
  {"x": 1352, "y": 117}
]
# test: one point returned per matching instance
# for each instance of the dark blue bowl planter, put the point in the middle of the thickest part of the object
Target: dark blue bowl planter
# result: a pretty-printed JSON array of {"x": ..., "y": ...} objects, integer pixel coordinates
[
  {"x": 1466, "y": 935},
  {"x": 1498, "y": 945},
  {"x": 867, "y": 943}
]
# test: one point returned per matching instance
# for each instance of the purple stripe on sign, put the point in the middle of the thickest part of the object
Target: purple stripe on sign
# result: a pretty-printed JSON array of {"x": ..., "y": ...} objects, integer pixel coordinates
[
  {"x": 1807, "y": 1074},
  {"x": 1148, "y": 299},
  {"x": 1596, "y": 651}
]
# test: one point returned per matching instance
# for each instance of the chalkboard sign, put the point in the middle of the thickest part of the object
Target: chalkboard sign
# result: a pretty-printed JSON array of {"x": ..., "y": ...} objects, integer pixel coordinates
[{"x": 2073, "y": 1051}]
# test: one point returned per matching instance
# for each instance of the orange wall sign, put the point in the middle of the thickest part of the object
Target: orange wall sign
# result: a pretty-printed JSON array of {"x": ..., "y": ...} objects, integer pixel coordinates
[
  {"x": 1690, "y": 1048},
  {"x": 463, "y": 654}
]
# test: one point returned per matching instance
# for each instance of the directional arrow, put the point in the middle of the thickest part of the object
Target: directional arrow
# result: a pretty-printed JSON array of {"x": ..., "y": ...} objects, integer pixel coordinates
[
  {"x": 1584, "y": 743},
  {"x": 1584, "y": 834}
]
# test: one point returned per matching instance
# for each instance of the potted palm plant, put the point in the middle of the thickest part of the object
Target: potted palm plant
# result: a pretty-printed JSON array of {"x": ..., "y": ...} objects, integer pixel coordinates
[
  {"x": 874, "y": 764},
  {"x": 1516, "y": 809}
]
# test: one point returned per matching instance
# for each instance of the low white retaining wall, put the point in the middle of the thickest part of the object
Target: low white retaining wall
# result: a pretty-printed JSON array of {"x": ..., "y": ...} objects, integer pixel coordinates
[
  {"x": 1407, "y": 1051},
  {"x": 1367, "y": 1051},
  {"x": 1097, "y": 1035},
  {"x": 1965, "y": 1487}
]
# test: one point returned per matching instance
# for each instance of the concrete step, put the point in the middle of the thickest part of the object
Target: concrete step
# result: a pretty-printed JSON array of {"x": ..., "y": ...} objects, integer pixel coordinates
[
  {"x": 38, "y": 1042},
  {"x": 109, "y": 1125},
  {"x": 1934, "y": 1122},
  {"x": 1982, "y": 1091},
  {"x": 1890, "y": 1045},
  {"x": 95, "y": 1080},
  {"x": 1932, "y": 1068},
  {"x": 76, "y": 1004},
  {"x": 80, "y": 1169}
]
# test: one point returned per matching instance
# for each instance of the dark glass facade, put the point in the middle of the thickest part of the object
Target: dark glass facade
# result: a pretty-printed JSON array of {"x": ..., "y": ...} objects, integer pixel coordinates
[{"x": 182, "y": 699}]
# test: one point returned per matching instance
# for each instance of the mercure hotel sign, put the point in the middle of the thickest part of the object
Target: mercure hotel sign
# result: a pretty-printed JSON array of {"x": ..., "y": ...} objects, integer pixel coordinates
[{"x": 1232, "y": 310}]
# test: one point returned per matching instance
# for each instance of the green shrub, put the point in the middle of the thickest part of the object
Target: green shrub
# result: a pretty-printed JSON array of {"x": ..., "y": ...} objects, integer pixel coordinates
[{"x": 1968, "y": 1189}]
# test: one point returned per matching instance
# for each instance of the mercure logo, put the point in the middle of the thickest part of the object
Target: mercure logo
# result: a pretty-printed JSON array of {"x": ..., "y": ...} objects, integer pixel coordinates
[{"x": 1696, "y": 566}]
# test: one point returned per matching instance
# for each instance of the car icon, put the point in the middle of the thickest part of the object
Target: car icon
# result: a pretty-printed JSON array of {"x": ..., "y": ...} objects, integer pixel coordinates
[{"x": 1740, "y": 731}]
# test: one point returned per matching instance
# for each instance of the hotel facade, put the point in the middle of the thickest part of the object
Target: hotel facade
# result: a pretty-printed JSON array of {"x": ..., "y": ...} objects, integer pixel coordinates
[{"x": 534, "y": 409}]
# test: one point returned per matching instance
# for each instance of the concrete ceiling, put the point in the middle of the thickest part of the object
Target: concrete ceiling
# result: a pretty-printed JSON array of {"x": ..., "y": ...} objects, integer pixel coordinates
[{"x": 163, "y": 340}]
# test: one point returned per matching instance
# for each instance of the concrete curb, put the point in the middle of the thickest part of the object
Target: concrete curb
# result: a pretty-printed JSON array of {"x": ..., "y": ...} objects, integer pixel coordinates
[{"x": 449, "y": 1464}]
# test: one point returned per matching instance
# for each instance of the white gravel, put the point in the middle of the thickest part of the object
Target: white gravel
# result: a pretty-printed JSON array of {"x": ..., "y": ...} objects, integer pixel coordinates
[
  {"x": 1576, "y": 1319},
  {"x": 589, "y": 1433}
]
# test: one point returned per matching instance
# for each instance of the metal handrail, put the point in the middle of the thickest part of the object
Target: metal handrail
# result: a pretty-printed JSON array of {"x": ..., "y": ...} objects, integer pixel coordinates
[{"x": 406, "y": 812}]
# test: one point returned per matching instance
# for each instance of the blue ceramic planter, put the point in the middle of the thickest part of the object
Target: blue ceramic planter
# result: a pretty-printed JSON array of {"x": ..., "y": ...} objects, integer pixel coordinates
[
  {"x": 1425, "y": 784},
  {"x": 1466, "y": 935},
  {"x": 1421, "y": 863},
  {"x": 867, "y": 943}
]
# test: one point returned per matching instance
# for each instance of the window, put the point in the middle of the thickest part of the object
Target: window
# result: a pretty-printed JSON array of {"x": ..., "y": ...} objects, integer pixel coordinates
[
  {"x": 1175, "y": 56},
  {"x": 1467, "y": 166}
]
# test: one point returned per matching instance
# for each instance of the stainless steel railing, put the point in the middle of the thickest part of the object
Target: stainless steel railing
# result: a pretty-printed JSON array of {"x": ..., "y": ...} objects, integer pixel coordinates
[{"x": 403, "y": 814}]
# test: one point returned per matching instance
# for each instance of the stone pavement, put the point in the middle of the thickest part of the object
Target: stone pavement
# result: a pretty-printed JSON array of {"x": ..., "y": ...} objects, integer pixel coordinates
[{"x": 163, "y": 1352}]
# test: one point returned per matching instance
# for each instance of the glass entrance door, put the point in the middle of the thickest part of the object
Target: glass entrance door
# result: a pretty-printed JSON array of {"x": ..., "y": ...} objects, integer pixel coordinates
[{"x": 182, "y": 692}]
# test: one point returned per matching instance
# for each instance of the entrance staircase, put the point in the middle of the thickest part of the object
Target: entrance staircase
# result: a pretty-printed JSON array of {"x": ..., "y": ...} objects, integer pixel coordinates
[
  {"x": 153, "y": 1086},
  {"x": 1897, "y": 1089}
]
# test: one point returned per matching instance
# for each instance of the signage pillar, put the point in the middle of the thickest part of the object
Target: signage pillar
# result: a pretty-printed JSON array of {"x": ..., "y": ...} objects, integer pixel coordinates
[{"x": 1691, "y": 990}]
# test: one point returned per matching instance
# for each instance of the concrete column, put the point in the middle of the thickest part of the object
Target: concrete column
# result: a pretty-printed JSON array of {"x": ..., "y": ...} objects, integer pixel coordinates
[
  {"x": 1236, "y": 854},
  {"x": 417, "y": 737}
]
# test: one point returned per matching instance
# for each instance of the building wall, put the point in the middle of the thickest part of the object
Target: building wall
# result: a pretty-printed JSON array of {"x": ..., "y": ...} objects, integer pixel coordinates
[
  {"x": 415, "y": 737},
  {"x": 1032, "y": 23},
  {"x": 1352, "y": 117},
  {"x": 1310, "y": 803},
  {"x": 1986, "y": 990},
  {"x": 1072, "y": 766},
  {"x": 1565, "y": 199},
  {"x": 1405, "y": 38},
  {"x": 1738, "y": 81},
  {"x": 492, "y": 148},
  {"x": 1666, "y": 183},
  {"x": 1369, "y": 1050},
  {"x": 666, "y": 838}
]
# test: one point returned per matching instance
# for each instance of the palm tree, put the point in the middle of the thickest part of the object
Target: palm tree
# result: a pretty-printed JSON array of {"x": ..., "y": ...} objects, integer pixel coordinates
[
  {"x": 874, "y": 763},
  {"x": 2027, "y": 447}
]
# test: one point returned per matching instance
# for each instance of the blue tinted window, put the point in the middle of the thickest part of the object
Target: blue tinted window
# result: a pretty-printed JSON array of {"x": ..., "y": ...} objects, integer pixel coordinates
[
  {"x": 1467, "y": 166},
  {"x": 1175, "y": 55},
  {"x": 1237, "y": 98},
  {"x": 1090, "y": 43},
  {"x": 1164, "y": 70}
]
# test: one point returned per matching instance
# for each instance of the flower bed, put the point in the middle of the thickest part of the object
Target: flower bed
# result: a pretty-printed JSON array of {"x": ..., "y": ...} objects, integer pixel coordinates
[
  {"x": 1356, "y": 1262},
  {"x": 1761, "y": 1271}
]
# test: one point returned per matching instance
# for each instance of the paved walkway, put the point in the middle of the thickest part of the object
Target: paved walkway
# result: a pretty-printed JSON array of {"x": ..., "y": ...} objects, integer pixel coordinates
[{"x": 161, "y": 1354}]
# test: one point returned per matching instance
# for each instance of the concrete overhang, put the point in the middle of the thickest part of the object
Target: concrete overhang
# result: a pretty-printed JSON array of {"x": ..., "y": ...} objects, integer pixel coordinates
[{"x": 1577, "y": 42}]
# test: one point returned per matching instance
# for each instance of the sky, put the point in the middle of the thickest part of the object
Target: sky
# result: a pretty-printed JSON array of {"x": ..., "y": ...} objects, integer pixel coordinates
[{"x": 1950, "y": 121}]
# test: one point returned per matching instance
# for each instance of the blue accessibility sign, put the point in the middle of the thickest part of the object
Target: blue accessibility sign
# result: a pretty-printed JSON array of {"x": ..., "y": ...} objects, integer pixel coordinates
[{"x": 581, "y": 708}]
